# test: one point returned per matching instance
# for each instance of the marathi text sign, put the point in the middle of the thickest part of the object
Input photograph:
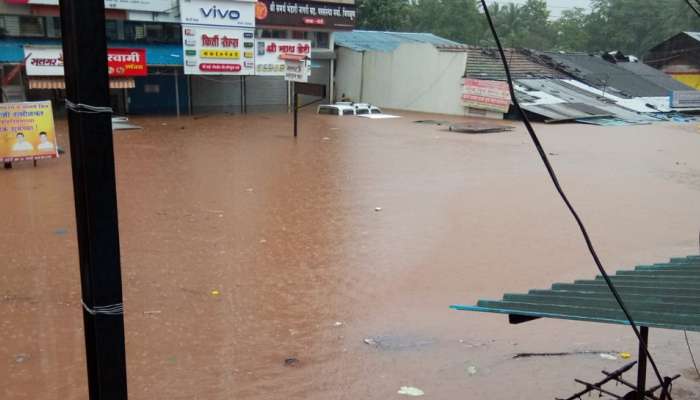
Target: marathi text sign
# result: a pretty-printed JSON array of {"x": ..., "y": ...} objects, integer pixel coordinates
[
  {"x": 297, "y": 71},
  {"x": 126, "y": 62},
  {"x": 48, "y": 61},
  {"x": 270, "y": 53},
  {"x": 27, "y": 131},
  {"x": 486, "y": 95},
  {"x": 229, "y": 13},
  {"x": 306, "y": 13},
  {"x": 218, "y": 50}
]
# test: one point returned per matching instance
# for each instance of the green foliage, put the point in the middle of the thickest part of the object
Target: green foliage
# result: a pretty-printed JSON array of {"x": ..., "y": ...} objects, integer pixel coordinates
[{"x": 632, "y": 26}]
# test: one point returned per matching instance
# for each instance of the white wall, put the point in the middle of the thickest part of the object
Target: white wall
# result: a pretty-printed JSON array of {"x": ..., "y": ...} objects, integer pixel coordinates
[
  {"x": 348, "y": 74},
  {"x": 415, "y": 77}
]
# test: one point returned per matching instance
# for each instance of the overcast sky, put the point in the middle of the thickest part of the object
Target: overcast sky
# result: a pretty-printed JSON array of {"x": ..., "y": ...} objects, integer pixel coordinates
[{"x": 556, "y": 6}]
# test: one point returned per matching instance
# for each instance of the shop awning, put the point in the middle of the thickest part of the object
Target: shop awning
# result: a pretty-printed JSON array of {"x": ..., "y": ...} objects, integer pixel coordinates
[{"x": 57, "y": 82}]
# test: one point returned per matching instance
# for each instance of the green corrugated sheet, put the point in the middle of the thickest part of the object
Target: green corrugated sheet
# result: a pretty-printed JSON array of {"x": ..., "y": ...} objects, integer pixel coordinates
[{"x": 659, "y": 296}]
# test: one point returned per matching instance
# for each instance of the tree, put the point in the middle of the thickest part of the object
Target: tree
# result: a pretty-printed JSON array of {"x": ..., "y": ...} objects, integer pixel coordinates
[
  {"x": 383, "y": 15},
  {"x": 572, "y": 30}
]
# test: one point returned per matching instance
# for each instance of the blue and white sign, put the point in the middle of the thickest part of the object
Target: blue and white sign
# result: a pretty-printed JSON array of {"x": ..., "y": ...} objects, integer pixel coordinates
[{"x": 238, "y": 13}]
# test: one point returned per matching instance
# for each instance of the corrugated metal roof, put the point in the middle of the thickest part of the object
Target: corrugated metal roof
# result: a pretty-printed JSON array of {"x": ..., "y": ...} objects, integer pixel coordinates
[
  {"x": 485, "y": 63},
  {"x": 572, "y": 97},
  {"x": 359, "y": 40},
  {"x": 599, "y": 73},
  {"x": 660, "y": 295},
  {"x": 654, "y": 76},
  {"x": 694, "y": 35},
  {"x": 12, "y": 50}
]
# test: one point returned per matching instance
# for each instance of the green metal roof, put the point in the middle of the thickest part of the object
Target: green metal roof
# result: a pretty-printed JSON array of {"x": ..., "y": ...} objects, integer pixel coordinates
[{"x": 660, "y": 296}]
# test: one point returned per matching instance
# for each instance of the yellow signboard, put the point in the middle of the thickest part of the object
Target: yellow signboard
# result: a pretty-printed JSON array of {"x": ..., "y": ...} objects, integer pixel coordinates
[
  {"x": 27, "y": 131},
  {"x": 215, "y": 53},
  {"x": 248, "y": 54}
]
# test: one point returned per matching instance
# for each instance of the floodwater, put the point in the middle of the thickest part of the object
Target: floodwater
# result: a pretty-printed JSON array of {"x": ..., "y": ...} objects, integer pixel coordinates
[{"x": 243, "y": 247}]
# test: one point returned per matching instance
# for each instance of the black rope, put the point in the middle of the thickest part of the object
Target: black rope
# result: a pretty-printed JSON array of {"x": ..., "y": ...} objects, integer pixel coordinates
[
  {"x": 693, "y": 7},
  {"x": 555, "y": 181},
  {"x": 692, "y": 358}
]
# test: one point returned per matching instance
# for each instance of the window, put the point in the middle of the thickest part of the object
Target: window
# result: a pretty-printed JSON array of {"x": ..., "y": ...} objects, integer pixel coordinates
[
  {"x": 272, "y": 33},
  {"x": 300, "y": 35},
  {"x": 31, "y": 26},
  {"x": 320, "y": 40}
]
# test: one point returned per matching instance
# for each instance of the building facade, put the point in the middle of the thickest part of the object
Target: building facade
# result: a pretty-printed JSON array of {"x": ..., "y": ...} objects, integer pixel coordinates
[
  {"x": 153, "y": 28},
  {"x": 678, "y": 56}
]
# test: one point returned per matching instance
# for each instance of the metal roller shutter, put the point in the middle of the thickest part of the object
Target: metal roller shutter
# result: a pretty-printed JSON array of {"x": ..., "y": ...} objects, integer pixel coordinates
[{"x": 266, "y": 93}]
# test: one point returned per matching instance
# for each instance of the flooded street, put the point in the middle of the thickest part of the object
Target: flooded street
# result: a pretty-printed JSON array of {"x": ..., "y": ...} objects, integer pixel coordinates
[{"x": 259, "y": 266}]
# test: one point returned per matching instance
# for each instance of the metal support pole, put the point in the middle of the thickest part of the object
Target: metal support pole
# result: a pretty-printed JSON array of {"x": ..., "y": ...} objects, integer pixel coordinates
[
  {"x": 296, "y": 108},
  {"x": 177, "y": 93},
  {"x": 94, "y": 190},
  {"x": 240, "y": 92},
  {"x": 245, "y": 96},
  {"x": 642, "y": 364}
]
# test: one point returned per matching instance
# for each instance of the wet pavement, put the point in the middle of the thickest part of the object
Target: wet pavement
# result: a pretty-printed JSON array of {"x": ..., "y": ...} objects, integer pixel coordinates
[{"x": 257, "y": 266}]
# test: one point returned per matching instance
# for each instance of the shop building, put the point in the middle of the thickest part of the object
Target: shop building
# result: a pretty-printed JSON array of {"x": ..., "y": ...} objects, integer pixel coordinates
[
  {"x": 678, "y": 56},
  {"x": 400, "y": 70},
  {"x": 279, "y": 23},
  {"x": 155, "y": 27}
]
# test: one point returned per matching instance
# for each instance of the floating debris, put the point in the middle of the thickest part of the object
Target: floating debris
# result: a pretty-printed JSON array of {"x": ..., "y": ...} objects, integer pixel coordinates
[
  {"x": 291, "y": 361},
  {"x": 410, "y": 391},
  {"x": 480, "y": 128},
  {"x": 561, "y": 354}
]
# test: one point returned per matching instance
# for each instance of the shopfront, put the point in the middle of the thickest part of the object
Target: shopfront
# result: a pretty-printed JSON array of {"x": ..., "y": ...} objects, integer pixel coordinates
[
  {"x": 311, "y": 21},
  {"x": 45, "y": 81}
]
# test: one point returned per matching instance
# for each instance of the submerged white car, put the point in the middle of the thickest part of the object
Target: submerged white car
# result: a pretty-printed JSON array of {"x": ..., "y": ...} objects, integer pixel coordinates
[
  {"x": 336, "y": 109},
  {"x": 348, "y": 108}
]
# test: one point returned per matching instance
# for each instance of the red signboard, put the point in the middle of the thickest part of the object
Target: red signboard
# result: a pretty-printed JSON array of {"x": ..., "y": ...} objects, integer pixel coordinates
[{"x": 126, "y": 62}]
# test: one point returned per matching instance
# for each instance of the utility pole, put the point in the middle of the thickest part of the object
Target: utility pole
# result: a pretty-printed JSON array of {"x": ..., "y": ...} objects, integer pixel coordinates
[{"x": 94, "y": 188}]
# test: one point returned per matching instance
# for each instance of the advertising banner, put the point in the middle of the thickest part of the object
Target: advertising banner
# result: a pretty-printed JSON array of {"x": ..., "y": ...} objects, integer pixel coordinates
[
  {"x": 27, "y": 131},
  {"x": 229, "y": 13},
  {"x": 297, "y": 71},
  {"x": 48, "y": 61},
  {"x": 486, "y": 95},
  {"x": 218, "y": 50},
  {"x": 43, "y": 61},
  {"x": 308, "y": 14},
  {"x": 134, "y": 5},
  {"x": 126, "y": 62},
  {"x": 270, "y": 53}
]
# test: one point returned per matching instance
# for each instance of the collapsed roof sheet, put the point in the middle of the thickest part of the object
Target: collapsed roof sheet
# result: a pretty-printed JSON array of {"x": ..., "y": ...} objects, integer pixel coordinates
[{"x": 572, "y": 97}]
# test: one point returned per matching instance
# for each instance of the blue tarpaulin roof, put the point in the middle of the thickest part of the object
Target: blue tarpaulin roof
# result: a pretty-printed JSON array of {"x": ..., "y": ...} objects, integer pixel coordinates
[
  {"x": 11, "y": 50},
  {"x": 388, "y": 41}
]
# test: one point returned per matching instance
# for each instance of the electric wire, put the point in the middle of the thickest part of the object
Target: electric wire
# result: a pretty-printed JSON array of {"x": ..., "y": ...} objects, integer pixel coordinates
[
  {"x": 693, "y": 7},
  {"x": 555, "y": 181}
]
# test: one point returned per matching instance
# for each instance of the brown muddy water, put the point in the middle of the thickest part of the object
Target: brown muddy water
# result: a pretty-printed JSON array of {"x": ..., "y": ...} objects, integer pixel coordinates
[{"x": 358, "y": 229}]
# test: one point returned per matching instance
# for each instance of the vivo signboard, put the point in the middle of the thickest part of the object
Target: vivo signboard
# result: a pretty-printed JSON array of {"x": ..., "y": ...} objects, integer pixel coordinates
[{"x": 239, "y": 14}]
